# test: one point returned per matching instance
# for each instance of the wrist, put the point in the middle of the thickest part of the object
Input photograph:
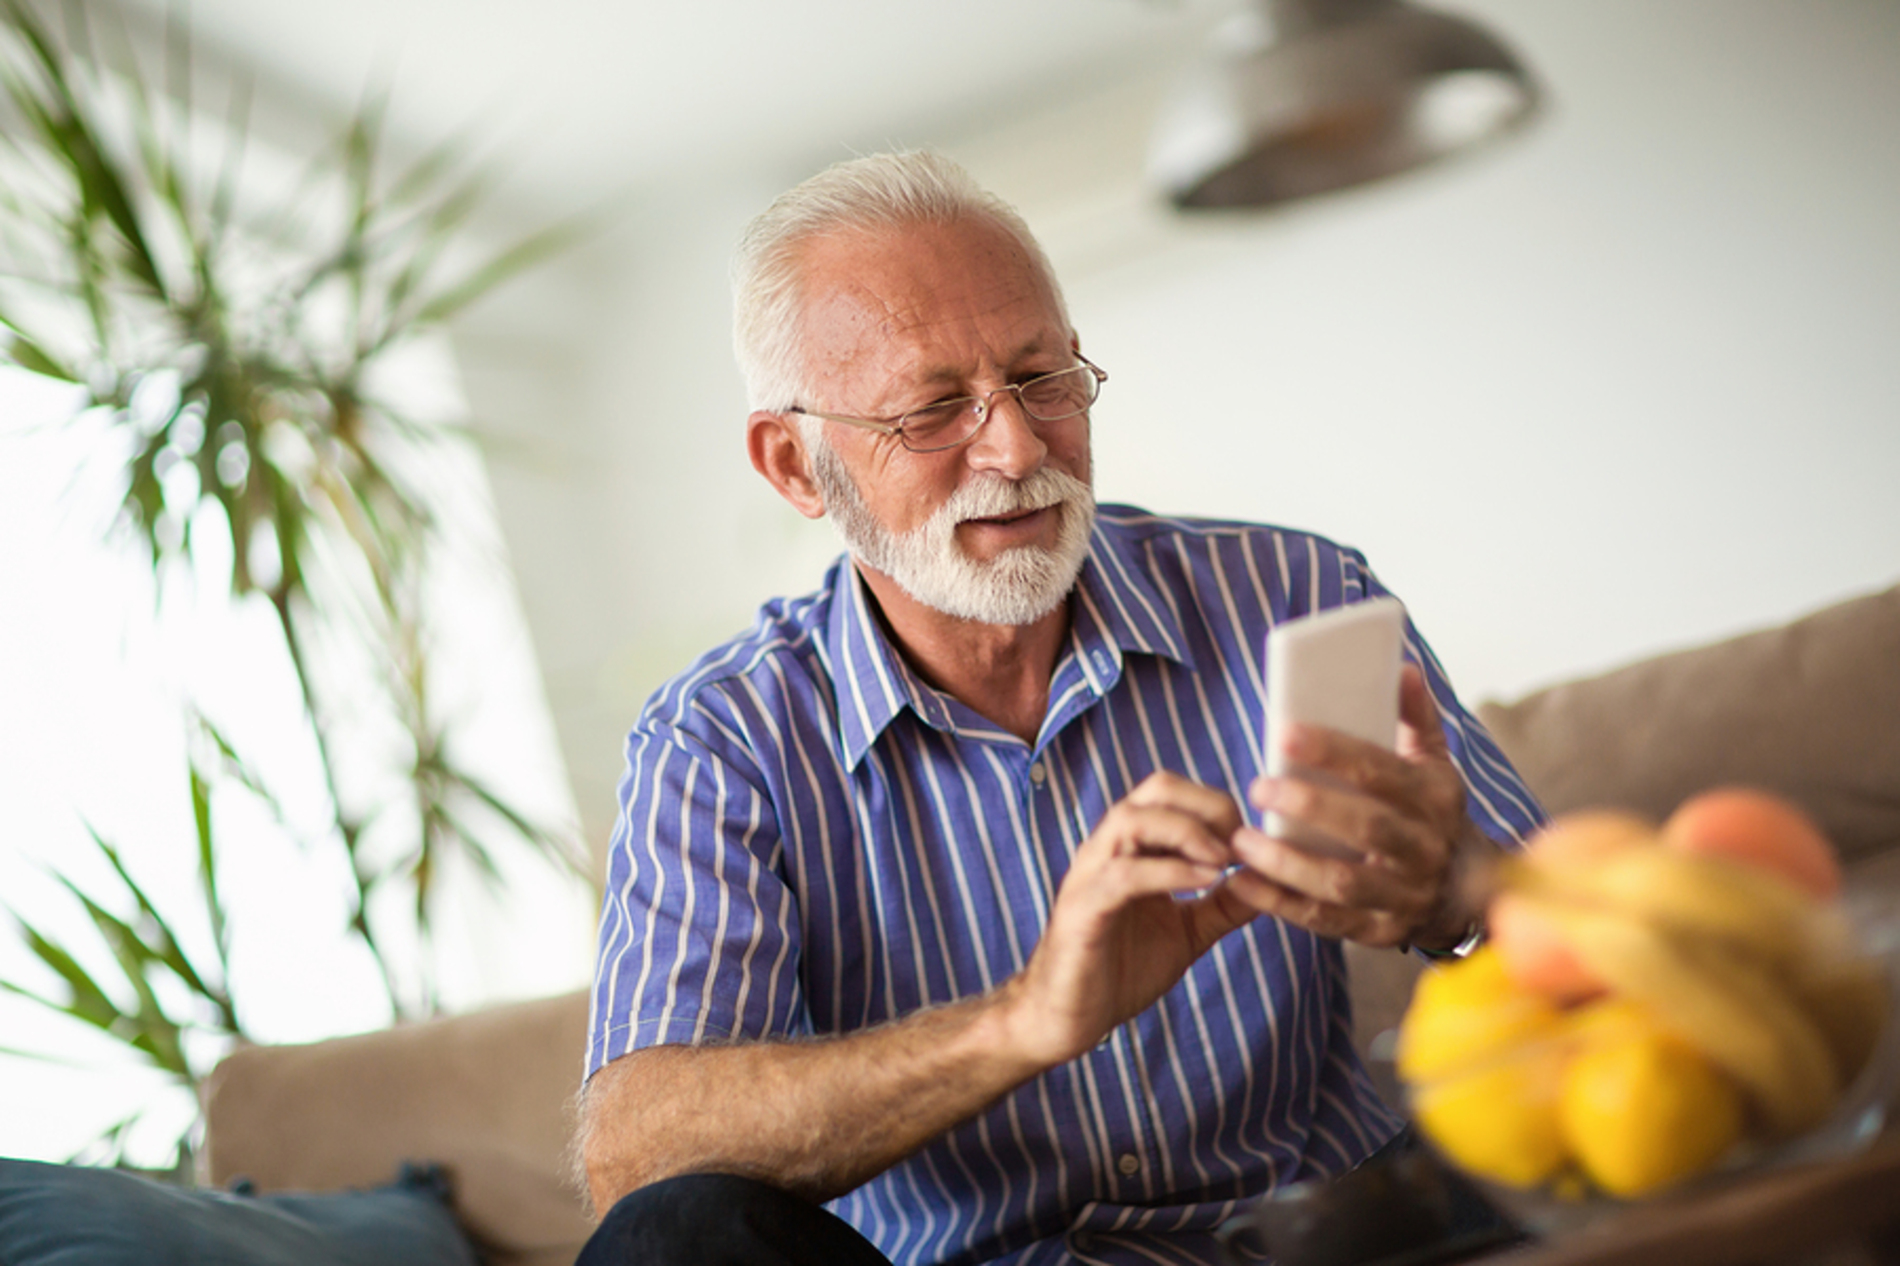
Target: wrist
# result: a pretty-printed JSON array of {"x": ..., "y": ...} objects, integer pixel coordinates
[
  {"x": 1025, "y": 1032},
  {"x": 1455, "y": 927}
]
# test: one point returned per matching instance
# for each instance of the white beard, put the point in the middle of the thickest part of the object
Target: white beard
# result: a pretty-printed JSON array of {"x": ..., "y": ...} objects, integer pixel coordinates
[{"x": 1018, "y": 586}]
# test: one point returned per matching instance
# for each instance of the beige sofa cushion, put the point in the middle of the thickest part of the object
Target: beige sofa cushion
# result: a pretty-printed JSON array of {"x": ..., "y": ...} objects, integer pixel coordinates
[
  {"x": 1810, "y": 709},
  {"x": 488, "y": 1095}
]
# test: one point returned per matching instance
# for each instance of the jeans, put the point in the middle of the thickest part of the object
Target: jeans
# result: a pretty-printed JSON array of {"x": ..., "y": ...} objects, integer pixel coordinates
[{"x": 723, "y": 1220}]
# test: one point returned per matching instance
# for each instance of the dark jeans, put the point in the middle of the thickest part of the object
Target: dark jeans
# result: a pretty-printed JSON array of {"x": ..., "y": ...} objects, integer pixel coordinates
[{"x": 720, "y": 1220}]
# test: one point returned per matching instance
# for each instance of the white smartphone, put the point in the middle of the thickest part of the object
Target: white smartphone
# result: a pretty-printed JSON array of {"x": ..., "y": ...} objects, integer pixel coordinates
[{"x": 1339, "y": 669}]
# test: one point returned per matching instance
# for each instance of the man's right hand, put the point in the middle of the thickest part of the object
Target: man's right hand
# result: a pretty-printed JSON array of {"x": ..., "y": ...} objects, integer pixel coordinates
[{"x": 1125, "y": 927}]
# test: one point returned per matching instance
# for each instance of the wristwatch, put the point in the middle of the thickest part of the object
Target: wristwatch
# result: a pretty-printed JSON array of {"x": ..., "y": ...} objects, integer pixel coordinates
[{"x": 1474, "y": 937}]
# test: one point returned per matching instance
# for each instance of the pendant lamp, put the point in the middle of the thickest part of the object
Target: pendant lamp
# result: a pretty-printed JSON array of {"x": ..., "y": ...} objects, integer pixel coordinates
[{"x": 1301, "y": 97}]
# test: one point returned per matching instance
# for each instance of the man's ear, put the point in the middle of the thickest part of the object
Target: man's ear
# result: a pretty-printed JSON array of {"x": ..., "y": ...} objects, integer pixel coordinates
[{"x": 776, "y": 446}]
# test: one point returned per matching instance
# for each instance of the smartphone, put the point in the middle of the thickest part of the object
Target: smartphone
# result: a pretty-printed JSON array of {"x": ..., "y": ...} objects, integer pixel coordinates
[{"x": 1339, "y": 669}]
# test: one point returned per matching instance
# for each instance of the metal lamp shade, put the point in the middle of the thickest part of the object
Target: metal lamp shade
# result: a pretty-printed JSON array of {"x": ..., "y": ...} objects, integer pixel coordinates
[{"x": 1324, "y": 96}]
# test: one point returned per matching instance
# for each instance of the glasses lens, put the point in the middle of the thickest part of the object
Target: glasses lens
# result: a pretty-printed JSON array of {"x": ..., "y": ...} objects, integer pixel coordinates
[
  {"x": 942, "y": 425},
  {"x": 1060, "y": 395}
]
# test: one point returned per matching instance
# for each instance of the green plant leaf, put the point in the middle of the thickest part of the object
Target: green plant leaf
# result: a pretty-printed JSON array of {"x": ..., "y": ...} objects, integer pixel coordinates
[
  {"x": 225, "y": 188},
  {"x": 532, "y": 250},
  {"x": 72, "y": 138},
  {"x": 547, "y": 842},
  {"x": 151, "y": 1030},
  {"x": 89, "y": 1003},
  {"x": 30, "y": 356},
  {"x": 160, "y": 945}
]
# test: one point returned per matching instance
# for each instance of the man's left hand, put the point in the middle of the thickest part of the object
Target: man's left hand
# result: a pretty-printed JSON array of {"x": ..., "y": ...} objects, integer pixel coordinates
[{"x": 1401, "y": 812}]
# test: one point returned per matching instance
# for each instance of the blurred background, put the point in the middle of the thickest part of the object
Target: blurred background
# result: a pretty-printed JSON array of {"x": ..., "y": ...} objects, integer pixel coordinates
[{"x": 1608, "y": 385}]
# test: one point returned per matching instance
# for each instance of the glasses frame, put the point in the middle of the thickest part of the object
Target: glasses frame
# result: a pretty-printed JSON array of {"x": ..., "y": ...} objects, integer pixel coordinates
[{"x": 984, "y": 407}]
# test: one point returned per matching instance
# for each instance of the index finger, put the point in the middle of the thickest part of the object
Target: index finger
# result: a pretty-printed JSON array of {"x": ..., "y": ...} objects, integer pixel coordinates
[{"x": 1170, "y": 790}]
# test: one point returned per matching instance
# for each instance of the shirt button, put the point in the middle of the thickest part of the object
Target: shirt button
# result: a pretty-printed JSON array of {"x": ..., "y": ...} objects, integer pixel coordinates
[
  {"x": 1037, "y": 773},
  {"x": 1129, "y": 1164}
]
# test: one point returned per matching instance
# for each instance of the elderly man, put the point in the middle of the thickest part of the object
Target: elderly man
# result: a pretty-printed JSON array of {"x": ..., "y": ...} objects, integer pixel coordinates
[{"x": 932, "y": 900}]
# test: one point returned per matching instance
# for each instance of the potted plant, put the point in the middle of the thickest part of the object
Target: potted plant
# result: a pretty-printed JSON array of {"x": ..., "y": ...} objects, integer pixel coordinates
[{"x": 229, "y": 349}]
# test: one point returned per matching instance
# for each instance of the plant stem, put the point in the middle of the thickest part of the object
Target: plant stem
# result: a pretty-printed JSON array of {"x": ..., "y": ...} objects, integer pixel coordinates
[{"x": 281, "y": 598}]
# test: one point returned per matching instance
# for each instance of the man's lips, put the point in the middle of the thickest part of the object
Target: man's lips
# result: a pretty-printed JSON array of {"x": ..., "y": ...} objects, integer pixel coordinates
[{"x": 1014, "y": 517}]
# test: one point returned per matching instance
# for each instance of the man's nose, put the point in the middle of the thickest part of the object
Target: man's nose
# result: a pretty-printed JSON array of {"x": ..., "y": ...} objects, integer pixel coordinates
[{"x": 1007, "y": 442}]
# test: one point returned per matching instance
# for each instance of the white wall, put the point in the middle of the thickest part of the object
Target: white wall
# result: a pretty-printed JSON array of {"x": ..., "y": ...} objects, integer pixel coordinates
[
  {"x": 1621, "y": 384},
  {"x": 1616, "y": 386}
]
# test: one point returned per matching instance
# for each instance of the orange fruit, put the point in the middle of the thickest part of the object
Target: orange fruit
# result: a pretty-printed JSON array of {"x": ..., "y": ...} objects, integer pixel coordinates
[
  {"x": 1759, "y": 829},
  {"x": 1534, "y": 954}
]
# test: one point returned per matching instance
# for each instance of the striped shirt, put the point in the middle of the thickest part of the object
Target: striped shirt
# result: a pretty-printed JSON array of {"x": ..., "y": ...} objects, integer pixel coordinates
[{"x": 811, "y": 839}]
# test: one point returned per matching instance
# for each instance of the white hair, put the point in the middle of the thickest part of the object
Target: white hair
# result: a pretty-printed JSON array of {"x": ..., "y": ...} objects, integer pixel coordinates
[
  {"x": 879, "y": 191},
  {"x": 1018, "y": 586}
]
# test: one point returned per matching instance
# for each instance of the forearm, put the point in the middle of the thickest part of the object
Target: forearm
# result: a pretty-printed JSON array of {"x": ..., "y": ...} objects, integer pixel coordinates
[
  {"x": 822, "y": 1117},
  {"x": 816, "y": 1117}
]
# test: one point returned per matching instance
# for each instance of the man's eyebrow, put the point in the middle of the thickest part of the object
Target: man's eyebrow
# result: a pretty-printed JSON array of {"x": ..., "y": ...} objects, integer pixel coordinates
[{"x": 1038, "y": 346}]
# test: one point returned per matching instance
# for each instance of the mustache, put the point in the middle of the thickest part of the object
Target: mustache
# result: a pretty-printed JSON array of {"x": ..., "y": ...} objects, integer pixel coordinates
[{"x": 990, "y": 496}]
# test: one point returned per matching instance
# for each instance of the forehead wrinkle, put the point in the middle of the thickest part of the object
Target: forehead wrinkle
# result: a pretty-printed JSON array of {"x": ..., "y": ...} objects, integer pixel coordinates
[
  {"x": 883, "y": 319},
  {"x": 947, "y": 371},
  {"x": 907, "y": 330}
]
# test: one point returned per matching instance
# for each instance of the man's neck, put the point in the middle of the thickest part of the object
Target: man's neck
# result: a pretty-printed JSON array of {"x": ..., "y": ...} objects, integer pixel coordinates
[{"x": 999, "y": 671}]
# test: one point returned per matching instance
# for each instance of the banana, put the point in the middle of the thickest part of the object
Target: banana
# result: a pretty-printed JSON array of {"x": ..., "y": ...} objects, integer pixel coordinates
[
  {"x": 1736, "y": 1011},
  {"x": 1847, "y": 997},
  {"x": 1747, "y": 910}
]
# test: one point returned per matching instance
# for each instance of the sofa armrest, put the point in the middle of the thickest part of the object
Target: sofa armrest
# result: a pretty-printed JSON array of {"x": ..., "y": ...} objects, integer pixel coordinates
[{"x": 488, "y": 1095}]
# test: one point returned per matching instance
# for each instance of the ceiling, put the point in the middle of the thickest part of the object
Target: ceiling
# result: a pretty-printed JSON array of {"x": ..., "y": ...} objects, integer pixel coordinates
[{"x": 587, "y": 97}]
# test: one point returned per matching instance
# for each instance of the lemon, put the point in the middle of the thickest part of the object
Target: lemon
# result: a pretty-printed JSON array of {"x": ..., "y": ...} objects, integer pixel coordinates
[
  {"x": 1483, "y": 1059},
  {"x": 1464, "y": 1011},
  {"x": 1500, "y": 1121},
  {"x": 1642, "y": 1111}
]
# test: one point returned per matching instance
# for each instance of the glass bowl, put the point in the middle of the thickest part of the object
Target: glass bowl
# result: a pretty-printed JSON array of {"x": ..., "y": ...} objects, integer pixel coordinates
[{"x": 1860, "y": 1114}]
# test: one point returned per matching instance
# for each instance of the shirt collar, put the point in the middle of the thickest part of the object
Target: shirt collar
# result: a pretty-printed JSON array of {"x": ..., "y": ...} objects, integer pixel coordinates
[
  {"x": 1119, "y": 608},
  {"x": 873, "y": 682}
]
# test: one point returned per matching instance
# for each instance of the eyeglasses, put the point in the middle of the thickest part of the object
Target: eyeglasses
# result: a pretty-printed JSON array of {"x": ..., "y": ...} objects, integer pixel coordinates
[{"x": 948, "y": 423}]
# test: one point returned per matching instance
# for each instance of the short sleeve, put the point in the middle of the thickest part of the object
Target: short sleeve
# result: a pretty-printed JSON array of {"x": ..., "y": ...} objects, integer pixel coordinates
[
  {"x": 699, "y": 934},
  {"x": 1497, "y": 800}
]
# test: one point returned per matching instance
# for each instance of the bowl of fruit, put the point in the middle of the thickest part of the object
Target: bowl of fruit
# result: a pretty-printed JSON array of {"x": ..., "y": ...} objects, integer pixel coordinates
[{"x": 1659, "y": 1008}]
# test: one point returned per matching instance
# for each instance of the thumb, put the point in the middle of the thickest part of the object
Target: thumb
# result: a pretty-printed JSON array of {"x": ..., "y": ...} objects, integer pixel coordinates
[{"x": 1420, "y": 733}]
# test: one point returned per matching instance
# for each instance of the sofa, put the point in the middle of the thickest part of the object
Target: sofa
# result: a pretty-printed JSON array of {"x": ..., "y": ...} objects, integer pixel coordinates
[{"x": 1810, "y": 709}]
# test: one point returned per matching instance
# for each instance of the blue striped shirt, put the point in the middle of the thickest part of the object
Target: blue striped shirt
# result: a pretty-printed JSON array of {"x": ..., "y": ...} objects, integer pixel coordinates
[{"x": 811, "y": 839}]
